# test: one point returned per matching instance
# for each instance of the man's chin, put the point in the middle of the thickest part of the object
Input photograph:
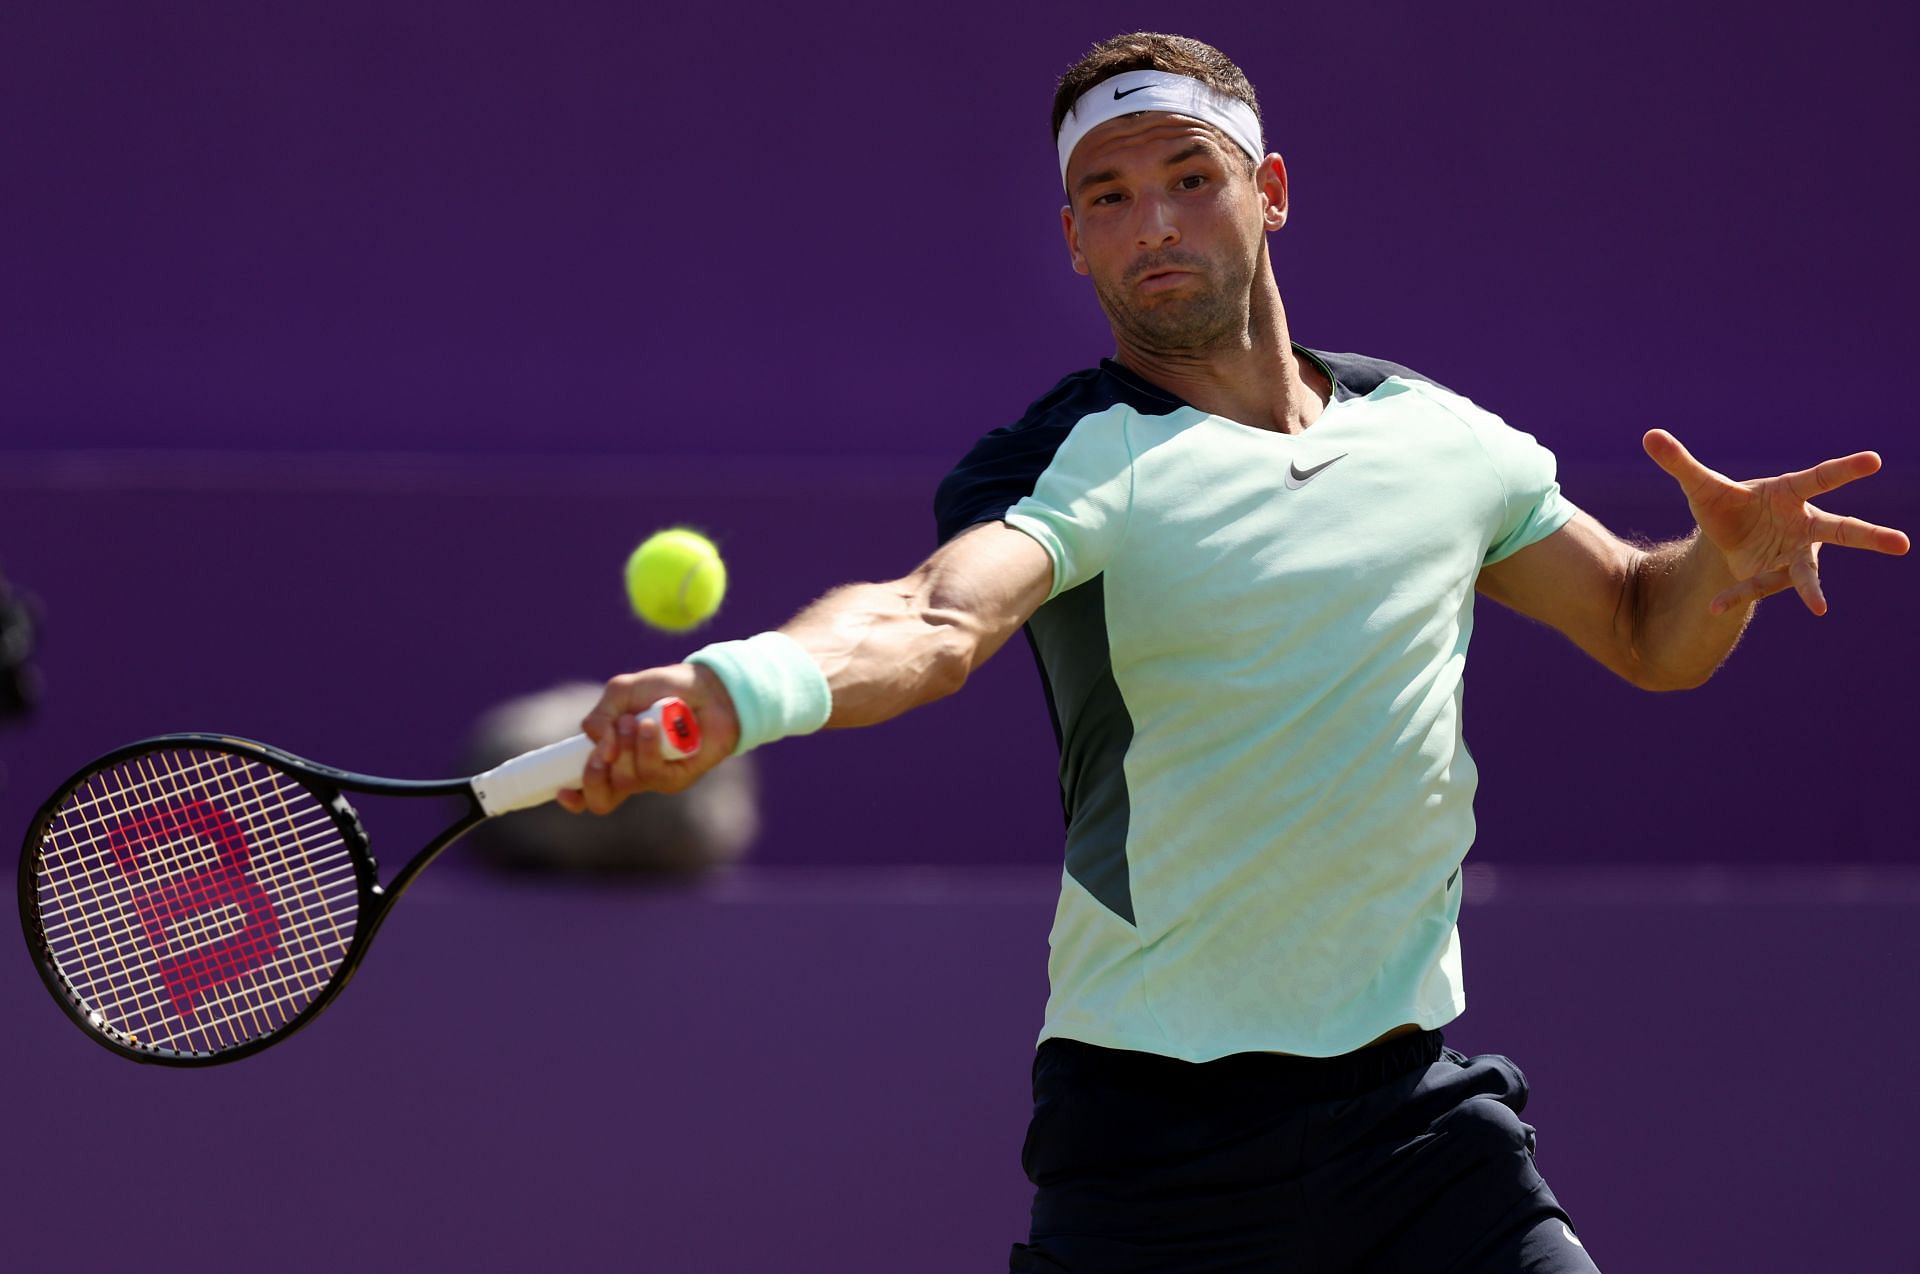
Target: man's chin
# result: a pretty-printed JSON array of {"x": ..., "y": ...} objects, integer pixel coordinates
[{"x": 1175, "y": 326}]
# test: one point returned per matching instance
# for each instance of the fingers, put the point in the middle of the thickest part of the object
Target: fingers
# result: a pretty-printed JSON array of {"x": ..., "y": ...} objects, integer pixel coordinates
[
  {"x": 609, "y": 782},
  {"x": 1829, "y": 474},
  {"x": 1667, "y": 452},
  {"x": 1802, "y": 575},
  {"x": 627, "y": 758},
  {"x": 1853, "y": 533},
  {"x": 611, "y": 723},
  {"x": 1747, "y": 591},
  {"x": 597, "y": 794},
  {"x": 614, "y": 702},
  {"x": 1805, "y": 573}
]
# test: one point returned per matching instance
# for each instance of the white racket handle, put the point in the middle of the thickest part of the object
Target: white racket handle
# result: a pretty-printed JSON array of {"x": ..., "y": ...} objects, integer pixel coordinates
[{"x": 536, "y": 777}]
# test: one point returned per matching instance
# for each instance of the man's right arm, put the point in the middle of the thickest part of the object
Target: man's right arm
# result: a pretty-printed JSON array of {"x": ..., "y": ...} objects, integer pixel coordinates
[
  {"x": 886, "y": 648},
  {"x": 883, "y": 648}
]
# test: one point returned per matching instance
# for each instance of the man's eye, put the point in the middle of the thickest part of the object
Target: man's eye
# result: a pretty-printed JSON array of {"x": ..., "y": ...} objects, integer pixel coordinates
[
  {"x": 1110, "y": 198},
  {"x": 1192, "y": 181}
]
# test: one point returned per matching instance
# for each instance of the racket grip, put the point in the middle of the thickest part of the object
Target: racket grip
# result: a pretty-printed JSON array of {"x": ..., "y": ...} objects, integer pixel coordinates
[{"x": 536, "y": 777}]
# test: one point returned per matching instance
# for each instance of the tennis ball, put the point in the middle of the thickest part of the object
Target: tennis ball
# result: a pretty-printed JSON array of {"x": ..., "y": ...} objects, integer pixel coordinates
[{"x": 675, "y": 580}]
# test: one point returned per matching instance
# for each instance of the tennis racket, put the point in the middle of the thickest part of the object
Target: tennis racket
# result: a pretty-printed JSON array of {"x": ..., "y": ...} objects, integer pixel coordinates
[{"x": 191, "y": 899}]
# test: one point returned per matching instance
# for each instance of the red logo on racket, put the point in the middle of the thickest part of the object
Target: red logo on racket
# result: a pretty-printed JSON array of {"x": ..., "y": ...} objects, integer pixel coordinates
[
  {"x": 679, "y": 728},
  {"x": 224, "y": 884}
]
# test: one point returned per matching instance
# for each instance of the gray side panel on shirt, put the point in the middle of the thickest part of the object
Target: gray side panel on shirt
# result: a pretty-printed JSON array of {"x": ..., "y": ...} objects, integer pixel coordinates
[{"x": 1070, "y": 635}]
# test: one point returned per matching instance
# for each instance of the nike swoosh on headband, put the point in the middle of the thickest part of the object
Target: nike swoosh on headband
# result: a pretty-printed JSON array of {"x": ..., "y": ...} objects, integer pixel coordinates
[
  {"x": 1298, "y": 477},
  {"x": 1120, "y": 93}
]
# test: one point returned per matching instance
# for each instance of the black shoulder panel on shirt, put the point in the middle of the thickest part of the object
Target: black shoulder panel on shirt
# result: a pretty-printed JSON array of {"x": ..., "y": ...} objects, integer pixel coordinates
[
  {"x": 1360, "y": 375},
  {"x": 1003, "y": 467}
]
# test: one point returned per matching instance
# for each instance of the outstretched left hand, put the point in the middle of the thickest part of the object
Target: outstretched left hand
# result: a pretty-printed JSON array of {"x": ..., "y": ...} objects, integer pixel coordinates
[{"x": 1765, "y": 528}]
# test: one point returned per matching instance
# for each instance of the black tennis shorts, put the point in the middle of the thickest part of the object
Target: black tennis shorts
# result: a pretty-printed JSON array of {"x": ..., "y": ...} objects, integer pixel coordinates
[{"x": 1401, "y": 1158}]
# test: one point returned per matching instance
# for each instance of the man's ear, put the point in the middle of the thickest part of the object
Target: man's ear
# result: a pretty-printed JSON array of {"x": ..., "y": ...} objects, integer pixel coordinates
[
  {"x": 1270, "y": 178},
  {"x": 1072, "y": 234}
]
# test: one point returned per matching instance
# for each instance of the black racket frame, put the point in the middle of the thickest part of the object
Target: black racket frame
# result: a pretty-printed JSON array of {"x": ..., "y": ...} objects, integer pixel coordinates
[{"x": 328, "y": 786}]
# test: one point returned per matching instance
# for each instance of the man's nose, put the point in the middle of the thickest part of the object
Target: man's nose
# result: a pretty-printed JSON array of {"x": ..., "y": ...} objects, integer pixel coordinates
[{"x": 1157, "y": 228}]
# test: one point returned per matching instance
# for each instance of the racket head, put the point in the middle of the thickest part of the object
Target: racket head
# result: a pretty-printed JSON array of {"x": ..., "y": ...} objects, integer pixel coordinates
[{"x": 192, "y": 898}]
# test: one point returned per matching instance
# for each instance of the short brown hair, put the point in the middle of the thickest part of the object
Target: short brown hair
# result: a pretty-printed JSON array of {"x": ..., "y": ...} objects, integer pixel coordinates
[{"x": 1151, "y": 51}]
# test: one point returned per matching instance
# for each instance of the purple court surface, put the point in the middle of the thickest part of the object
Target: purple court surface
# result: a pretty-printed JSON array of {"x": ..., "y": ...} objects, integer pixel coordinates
[{"x": 824, "y": 1070}]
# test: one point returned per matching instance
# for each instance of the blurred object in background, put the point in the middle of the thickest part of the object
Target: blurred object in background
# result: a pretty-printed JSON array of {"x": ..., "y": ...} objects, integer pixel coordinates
[
  {"x": 19, "y": 679},
  {"x": 652, "y": 834}
]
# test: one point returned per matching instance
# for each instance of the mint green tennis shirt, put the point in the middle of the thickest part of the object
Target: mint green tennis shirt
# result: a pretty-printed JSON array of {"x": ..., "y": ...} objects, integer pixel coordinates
[{"x": 1254, "y": 652}]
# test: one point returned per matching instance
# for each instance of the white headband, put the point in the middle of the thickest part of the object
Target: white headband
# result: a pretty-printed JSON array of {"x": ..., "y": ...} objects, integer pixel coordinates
[{"x": 1159, "y": 91}]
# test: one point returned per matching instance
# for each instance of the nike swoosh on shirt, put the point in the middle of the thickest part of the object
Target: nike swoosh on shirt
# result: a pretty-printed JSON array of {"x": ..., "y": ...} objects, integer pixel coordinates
[
  {"x": 1298, "y": 477},
  {"x": 1120, "y": 93}
]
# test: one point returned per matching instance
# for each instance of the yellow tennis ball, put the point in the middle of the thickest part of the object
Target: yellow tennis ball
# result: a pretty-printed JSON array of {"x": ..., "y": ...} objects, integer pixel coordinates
[{"x": 675, "y": 580}]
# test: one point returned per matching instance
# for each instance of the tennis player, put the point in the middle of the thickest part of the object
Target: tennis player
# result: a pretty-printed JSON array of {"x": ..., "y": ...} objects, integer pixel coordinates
[{"x": 1248, "y": 571}]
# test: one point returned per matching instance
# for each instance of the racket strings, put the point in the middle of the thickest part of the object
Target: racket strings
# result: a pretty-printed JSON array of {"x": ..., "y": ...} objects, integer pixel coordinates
[
  {"x": 265, "y": 1001},
  {"x": 312, "y": 832},
  {"x": 196, "y": 920},
  {"x": 326, "y": 878},
  {"x": 259, "y": 1003},
  {"x": 194, "y": 900},
  {"x": 254, "y": 794},
  {"x": 132, "y": 987},
  {"x": 122, "y": 959}
]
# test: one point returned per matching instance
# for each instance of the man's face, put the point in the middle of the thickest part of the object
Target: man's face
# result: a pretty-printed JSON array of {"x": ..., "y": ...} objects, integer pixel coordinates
[{"x": 1166, "y": 221}]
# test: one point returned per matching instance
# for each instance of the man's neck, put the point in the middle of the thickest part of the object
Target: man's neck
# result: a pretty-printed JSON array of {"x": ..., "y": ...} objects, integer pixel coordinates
[{"x": 1260, "y": 383}]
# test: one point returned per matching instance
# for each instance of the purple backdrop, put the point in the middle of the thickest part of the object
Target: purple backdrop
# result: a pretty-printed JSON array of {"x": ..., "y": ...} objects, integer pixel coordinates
[
  {"x": 345, "y": 350},
  {"x": 767, "y": 228}
]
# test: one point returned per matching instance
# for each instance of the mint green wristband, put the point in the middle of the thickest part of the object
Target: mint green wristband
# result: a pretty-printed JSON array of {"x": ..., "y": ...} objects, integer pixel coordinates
[{"x": 777, "y": 689}]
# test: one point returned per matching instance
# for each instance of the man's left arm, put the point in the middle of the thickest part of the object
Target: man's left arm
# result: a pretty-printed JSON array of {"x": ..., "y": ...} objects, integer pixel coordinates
[{"x": 1664, "y": 617}]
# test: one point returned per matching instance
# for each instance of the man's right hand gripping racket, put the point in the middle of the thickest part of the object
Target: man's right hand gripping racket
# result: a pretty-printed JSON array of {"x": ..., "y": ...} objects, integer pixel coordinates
[{"x": 192, "y": 898}]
